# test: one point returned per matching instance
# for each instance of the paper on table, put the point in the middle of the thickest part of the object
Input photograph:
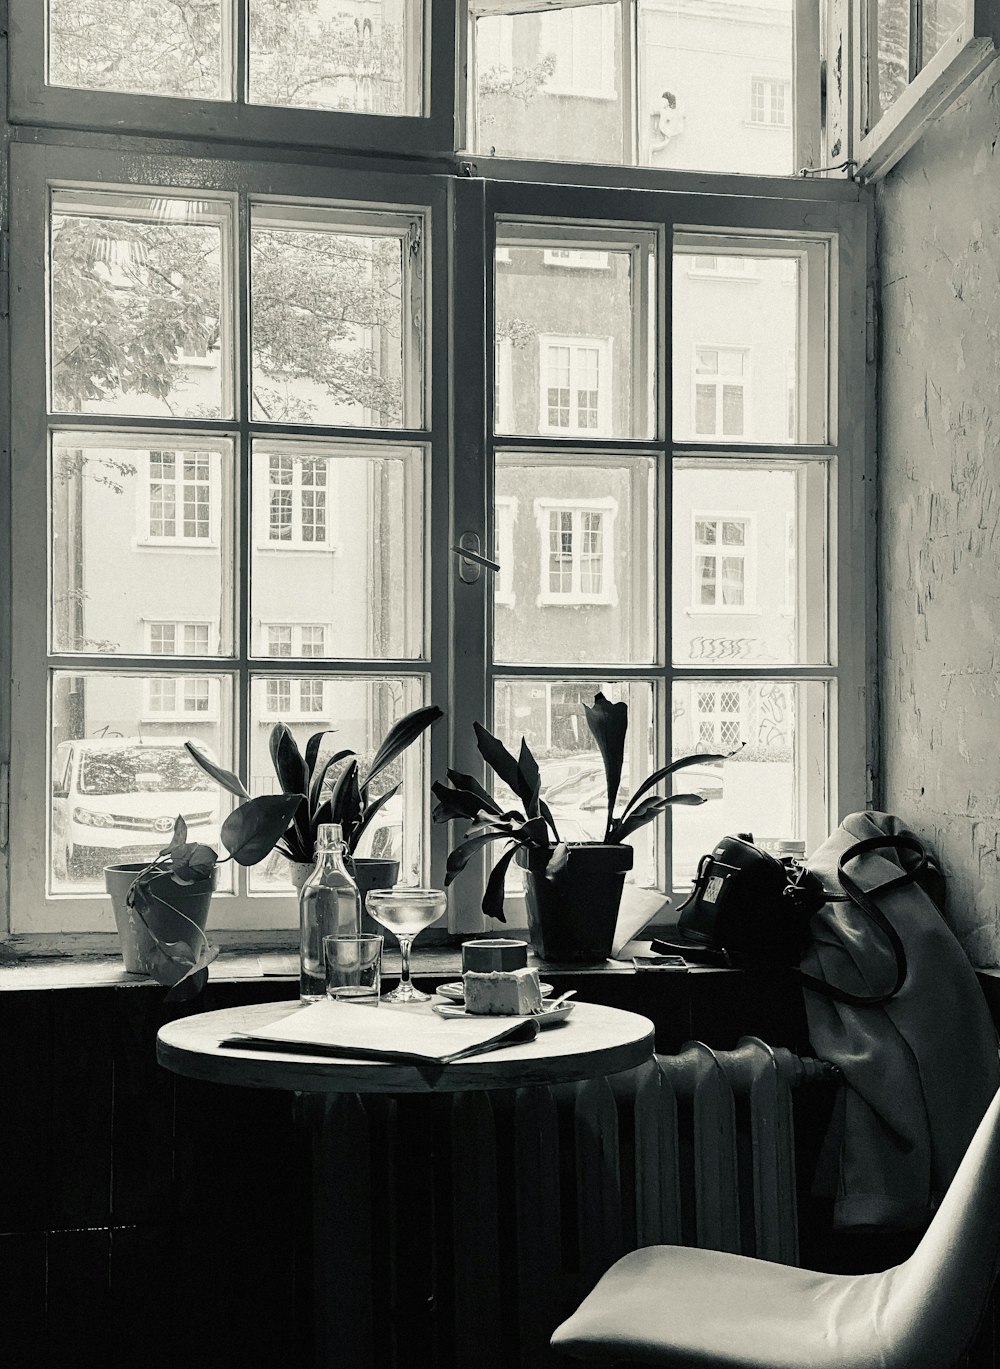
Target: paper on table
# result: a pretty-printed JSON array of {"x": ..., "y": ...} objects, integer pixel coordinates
[{"x": 385, "y": 1033}]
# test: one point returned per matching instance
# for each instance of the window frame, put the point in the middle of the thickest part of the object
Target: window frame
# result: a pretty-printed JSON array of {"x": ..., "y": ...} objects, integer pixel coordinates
[
  {"x": 161, "y": 542},
  {"x": 33, "y": 101},
  {"x": 930, "y": 90},
  {"x": 718, "y": 381},
  {"x": 605, "y": 381},
  {"x": 40, "y": 921},
  {"x": 330, "y": 545}
]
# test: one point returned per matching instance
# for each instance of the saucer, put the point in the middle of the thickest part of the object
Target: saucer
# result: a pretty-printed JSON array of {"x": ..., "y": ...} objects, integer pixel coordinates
[
  {"x": 545, "y": 1018},
  {"x": 455, "y": 990}
]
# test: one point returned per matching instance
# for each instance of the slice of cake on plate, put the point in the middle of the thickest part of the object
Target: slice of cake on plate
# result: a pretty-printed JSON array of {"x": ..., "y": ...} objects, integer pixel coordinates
[{"x": 503, "y": 993}]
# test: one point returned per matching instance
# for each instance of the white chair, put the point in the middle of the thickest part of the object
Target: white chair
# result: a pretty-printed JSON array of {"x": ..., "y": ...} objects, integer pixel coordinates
[{"x": 690, "y": 1309}]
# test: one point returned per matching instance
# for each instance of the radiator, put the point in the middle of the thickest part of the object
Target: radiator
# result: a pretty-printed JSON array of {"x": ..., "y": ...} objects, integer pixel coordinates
[{"x": 695, "y": 1148}]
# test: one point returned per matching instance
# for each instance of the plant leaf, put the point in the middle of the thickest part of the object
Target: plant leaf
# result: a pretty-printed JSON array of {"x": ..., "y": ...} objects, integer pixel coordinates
[
  {"x": 647, "y": 811},
  {"x": 319, "y": 779},
  {"x": 463, "y": 853},
  {"x": 493, "y": 897},
  {"x": 191, "y": 861},
  {"x": 312, "y": 750},
  {"x": 546, "y": 813},
  {"x": 458, "y": 803},
  {"x": 400, "y": 736},
  {"x": 658, "y": 775},
  {"x": 527, "y": 768},
  {"x": 534, "y": 832},
  {"x": 470, "y": 783},
  {"x": 224, "y": 777},
  {"x": 287, "y": 760},
  {"x": 179, "y": 838},
  {"x": 345, "y": 801},
  {"x": 373, "y": 809},
  {"x": 499, "y": 759},
  {"x": 558, "y": 861},
  {"x": 253, "y": 829},
  {"x": 608, "y": 724}
]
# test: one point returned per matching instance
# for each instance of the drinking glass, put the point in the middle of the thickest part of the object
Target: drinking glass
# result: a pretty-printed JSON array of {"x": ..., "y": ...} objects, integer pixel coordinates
[
  {"x": 353, "y": 967},
  {"x": 406, "y": 912}
]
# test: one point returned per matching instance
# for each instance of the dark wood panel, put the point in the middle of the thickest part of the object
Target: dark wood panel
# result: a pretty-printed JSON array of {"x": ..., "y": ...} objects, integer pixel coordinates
[
  {"x": 78, "y": 1298},
  {"x": 22, "y": 1299},
  {"x": 26, "y": 1129},
  {"x": 143, "y": 1113},
  {"x": 81, "y": 1082}
]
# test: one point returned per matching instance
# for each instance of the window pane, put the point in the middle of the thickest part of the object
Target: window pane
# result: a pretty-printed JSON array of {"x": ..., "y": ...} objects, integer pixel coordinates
[
  {"x": 775, "y": 786},
  {"x": 744, "y": 365},
  {"x": 149, "y": 47},
  {"x": 121, "y": 776},
  {"x": 757, "y": 592},
  {"x": 715, "y": 87},
  {"x": 327, "y": 321},
  {"x": 359, "y": 711},
  {"x": 138, "y": 320},
  {"x": 893, "y": 68},
  {"x": 548, "y": 86},
  {"x": 580, "y": 583},
  {"x": 336, "y": 54},
  {"x": 141, "y": 545},
  {"x": 348, "y": 549},
  {"x": 567, "y": 338},
  {"x": 940, "y": 20},
  {"x": 549, "y": 715}
]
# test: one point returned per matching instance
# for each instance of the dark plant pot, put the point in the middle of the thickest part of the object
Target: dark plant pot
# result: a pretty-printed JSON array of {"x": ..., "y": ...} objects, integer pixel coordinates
[
  {"x": 370, "y": 873},
  {"x": 574, "y": 915},
  {"x": 167, "y": 906}
]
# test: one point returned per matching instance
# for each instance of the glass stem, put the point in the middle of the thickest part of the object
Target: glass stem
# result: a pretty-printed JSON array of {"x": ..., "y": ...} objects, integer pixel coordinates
[{"x": 404, "y": 957}]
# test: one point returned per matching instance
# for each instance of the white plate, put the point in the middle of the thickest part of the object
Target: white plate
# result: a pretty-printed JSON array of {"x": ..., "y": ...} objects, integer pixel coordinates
[
  {"x": 456, "y": 990},
  {"x": 546, "y": 1017}
]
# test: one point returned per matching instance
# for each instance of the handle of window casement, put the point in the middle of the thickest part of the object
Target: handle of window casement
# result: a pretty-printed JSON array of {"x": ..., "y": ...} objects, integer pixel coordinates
[{"x": 471, "y": 559}]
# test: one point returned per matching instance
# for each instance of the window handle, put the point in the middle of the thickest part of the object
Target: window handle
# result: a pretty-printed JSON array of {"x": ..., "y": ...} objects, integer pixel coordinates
[{"x": 471, "y": 558}]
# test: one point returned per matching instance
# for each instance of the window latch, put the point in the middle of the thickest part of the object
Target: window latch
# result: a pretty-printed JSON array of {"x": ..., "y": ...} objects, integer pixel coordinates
[{"x": 471, "y": 560}]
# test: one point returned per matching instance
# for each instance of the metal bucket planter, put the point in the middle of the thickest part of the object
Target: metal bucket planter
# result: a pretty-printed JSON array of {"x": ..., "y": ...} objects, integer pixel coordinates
[
  {"x": 573, "y": 916},
  {"x": 370, "y": 873},
  {"x": 168, "y": 908}
]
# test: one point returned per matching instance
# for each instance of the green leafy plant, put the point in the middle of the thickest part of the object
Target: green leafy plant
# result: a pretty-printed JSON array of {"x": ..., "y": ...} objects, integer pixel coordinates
[
  {"x": 326, "y": 788},
  {"x": 249, "y": 833},
  {"x": 533, "y": 825}
]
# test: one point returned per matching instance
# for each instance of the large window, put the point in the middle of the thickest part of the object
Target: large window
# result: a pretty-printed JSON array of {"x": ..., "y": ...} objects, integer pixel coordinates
[{"x": 266, "y": 398}]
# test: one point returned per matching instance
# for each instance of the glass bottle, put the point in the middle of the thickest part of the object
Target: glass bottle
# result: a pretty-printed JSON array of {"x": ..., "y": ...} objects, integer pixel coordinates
[{"x": 329, "y": 905}]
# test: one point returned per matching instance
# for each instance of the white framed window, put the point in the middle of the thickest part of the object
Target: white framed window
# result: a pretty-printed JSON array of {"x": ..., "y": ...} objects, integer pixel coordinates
[
  {"x": 724, "y": 556},
  {"x": 719, "y": 716},
  {"x": 297, "y": 698},
  {"x": 576, "y": 551},
  {"x": 575, "y": 259},
  {"x": 770, "y": 102},
  {"x": 179, "y": 507},
  {"x": 791, "y": 565},
  {"x": 792, "y": 393},
  {"x": 299, "y": 505},
  {"x": 504, "y": 518},
  {"x": 580, "y": 43},
  {"x": 179, "y": 697},
  {"x": 915, "y": 57},
  {"x": 503, "y": 385},
  {"x": 712, "y": 266},
  {"x": 576, "y": 385},
  {"x": 720, "y": 391}
]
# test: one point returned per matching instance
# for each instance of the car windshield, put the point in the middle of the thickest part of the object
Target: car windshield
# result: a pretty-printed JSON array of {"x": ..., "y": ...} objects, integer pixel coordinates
[{"x": 140, "y": 770}]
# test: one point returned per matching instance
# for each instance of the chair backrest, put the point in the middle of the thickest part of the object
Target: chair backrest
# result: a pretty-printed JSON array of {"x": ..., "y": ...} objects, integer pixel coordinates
[{"x": 938, "y": 1295}]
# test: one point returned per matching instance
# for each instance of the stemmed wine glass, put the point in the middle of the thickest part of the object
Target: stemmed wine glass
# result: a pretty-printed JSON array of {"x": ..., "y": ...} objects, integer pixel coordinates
[{"x": 406, "y": 912}]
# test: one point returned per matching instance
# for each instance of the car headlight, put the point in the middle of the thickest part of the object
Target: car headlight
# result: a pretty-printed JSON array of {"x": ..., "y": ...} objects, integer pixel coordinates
[{"x": 86, "y": 817}]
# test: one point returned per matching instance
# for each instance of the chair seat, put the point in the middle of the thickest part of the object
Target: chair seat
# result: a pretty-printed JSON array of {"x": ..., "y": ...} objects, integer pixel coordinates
[{"x": 680, "y": 1307}]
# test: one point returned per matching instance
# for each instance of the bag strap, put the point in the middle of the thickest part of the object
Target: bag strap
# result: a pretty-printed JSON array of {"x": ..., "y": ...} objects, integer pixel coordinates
[{"x": 862, "y": 899}]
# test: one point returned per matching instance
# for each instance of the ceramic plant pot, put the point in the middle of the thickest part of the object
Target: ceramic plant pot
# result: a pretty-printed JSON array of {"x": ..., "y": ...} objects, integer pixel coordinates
[
  {"x": 573, "y": 915},
  {"x": 168, "y": 907},
  {"x": 370, "y": 873}
]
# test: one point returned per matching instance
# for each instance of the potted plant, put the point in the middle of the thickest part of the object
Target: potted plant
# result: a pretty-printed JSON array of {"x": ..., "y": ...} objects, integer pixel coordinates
[
  {"x": 329, "y": 789},
  {"x": 572, "y": 889},
  {"x": 161, "y": 906}
]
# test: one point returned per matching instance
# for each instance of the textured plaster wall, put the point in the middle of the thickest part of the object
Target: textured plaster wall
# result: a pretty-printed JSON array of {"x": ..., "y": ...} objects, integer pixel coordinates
[{"x": 939, "y": 467}]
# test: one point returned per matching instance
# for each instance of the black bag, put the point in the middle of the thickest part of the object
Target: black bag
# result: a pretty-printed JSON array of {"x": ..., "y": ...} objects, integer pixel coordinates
[{"x": 749, "y": 908}]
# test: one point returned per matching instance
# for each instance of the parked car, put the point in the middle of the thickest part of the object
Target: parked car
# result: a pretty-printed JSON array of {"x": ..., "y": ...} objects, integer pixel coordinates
[{"x": 116, "y": 798}]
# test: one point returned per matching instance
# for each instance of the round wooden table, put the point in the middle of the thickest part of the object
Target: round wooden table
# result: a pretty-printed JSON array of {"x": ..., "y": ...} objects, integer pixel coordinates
[{"x": 440, "y": 1201}]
